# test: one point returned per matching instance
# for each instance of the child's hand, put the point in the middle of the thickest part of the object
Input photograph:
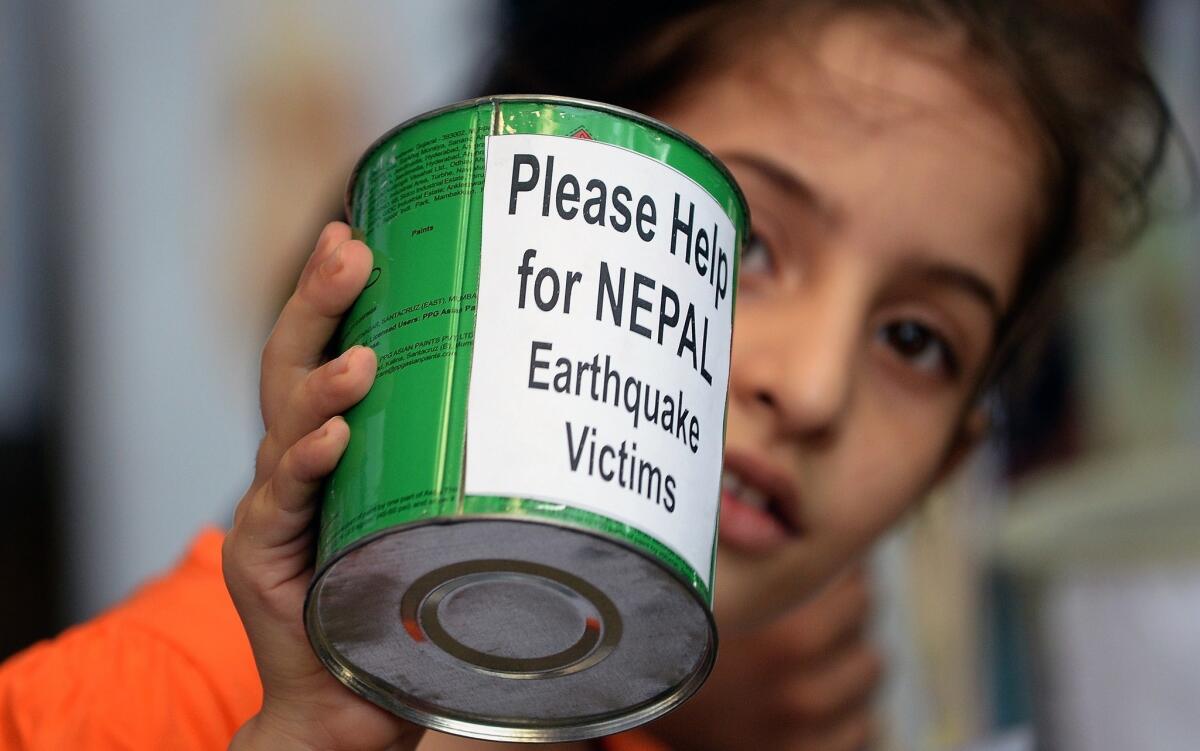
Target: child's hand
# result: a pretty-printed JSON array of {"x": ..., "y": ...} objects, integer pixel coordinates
[
  {"x": 268, "y": 555},
  {"x": 803, "y": 683}
]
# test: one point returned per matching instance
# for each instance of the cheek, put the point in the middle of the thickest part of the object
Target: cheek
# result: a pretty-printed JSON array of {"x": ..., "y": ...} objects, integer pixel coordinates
[
  {"x": 891, "y": 451},
  {"x": 750, "y": 321}
]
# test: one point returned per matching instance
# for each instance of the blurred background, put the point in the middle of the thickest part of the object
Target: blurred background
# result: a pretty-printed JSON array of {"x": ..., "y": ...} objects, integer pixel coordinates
[{"x": 165, "y": 166}]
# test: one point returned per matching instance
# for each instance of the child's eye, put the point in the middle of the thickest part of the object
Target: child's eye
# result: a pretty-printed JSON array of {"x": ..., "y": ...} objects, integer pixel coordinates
[
  {"x": 919, "y": 346},
  {"x": 756, "y": 257}
]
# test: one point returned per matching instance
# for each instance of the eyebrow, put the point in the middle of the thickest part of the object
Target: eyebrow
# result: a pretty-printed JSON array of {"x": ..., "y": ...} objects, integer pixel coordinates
[
  {"x": 938, "y": 272},
  {"x": 785, "y": 179},
  {"x": 964, "y": 280}
]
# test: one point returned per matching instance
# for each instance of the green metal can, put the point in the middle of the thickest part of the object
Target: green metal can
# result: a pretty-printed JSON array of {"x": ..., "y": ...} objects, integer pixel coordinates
[{"x": 519, "y": 541}]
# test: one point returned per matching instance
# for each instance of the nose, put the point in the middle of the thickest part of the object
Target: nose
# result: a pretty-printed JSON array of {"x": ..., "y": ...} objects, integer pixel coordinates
[{"x": 794, "y": 360}]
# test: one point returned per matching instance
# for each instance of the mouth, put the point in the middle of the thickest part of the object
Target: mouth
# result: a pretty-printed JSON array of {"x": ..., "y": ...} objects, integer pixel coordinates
[{"x": 757, "y": 506}]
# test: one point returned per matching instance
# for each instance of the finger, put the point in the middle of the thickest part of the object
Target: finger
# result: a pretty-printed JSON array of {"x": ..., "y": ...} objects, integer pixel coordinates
[
  {"x": 327, "y": 288},
  {"x": 327, "y": 391},
  {"x": 332, "y": 235},
  {"x": 323, "y": 294},
  {"x": 844, "y": 683},
  {"x": 281, "y": 510},
  {"x": 838, "y": 612}
]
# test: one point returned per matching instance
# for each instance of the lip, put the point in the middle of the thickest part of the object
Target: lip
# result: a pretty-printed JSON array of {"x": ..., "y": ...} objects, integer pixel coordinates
[{"x": 754, "y": 530}]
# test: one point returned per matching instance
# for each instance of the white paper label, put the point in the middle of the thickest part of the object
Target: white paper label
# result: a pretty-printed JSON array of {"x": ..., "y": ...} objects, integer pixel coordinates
[{"x": 601, "y": 357}]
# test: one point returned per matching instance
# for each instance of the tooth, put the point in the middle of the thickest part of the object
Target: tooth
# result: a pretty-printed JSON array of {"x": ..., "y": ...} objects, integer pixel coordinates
[{"x": 753, "y": 497}]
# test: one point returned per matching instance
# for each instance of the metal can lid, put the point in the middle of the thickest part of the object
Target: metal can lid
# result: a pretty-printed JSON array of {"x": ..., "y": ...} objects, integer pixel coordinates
[{"x": 512, "y": 630}]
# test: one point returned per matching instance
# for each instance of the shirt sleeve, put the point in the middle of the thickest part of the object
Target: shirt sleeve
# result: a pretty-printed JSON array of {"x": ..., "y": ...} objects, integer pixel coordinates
[{"x": 169, "y": 668}]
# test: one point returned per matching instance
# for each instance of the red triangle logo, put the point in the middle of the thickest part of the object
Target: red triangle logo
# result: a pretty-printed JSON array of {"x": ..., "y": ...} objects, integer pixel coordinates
[{"x": 582, "y": 133}]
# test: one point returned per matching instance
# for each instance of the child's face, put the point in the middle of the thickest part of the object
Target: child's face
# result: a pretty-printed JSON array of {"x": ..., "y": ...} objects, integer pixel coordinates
[{"x": 892, "y": 199}]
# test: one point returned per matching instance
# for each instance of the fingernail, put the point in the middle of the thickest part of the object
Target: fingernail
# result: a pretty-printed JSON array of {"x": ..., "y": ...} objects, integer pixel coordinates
[
  {"x": 333, "y": 263},
  {"x": 343, "y": 361},
  {"x": 329, "y": 426}
]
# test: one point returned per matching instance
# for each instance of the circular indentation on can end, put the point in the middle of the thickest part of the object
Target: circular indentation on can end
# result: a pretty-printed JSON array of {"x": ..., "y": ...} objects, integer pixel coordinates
[{"x": 500, "y": 616}]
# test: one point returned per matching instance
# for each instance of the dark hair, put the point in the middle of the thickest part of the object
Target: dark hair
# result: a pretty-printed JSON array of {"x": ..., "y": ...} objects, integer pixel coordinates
[{"x": 1102, "y": 121}]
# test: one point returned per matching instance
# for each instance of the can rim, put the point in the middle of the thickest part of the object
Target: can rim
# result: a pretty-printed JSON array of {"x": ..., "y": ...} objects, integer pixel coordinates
[
  {"x": 611, "y": 109},
  {"x": 601, "y": 725}
]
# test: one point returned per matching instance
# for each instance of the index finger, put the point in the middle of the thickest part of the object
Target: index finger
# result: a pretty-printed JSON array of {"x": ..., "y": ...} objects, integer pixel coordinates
[{"x": 332, "y": 279}]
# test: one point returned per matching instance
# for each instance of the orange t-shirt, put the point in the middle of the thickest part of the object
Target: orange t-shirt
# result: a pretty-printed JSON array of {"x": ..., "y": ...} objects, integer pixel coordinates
[{"x": 168, "y": 668}]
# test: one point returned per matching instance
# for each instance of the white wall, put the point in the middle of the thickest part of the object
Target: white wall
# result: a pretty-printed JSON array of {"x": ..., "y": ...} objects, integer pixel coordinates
[
  {"x": 162, "y": 418},
  {"x": 21, "y": 269}
]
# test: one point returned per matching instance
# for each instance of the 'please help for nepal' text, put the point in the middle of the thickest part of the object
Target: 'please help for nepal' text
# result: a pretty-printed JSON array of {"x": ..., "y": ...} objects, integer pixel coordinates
[
  {"x": 601, "y": 352},
  {"x": 625, "y": 298}
]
